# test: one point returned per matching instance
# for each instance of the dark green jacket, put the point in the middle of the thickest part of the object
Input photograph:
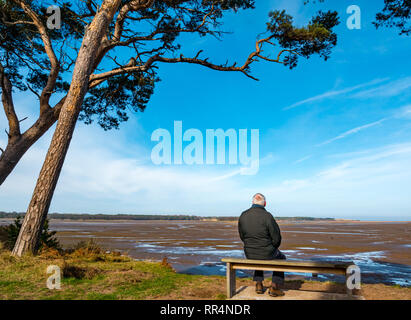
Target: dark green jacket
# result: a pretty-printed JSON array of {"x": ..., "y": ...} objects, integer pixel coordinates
[{"x": 259, "y": 232}]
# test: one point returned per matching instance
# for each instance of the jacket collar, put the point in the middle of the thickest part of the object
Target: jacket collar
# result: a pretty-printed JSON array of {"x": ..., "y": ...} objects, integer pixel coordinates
[{"x": 257, "y": 206}]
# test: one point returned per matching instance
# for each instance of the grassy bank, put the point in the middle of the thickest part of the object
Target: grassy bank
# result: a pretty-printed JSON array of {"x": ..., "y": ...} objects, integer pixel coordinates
[{"x": 96, "y": 275}]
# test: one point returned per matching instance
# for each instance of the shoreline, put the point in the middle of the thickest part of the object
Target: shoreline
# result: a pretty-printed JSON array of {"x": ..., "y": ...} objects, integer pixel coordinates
[
  {"x": 380, "y": 248},
  {"x": 279, "y": 221}
]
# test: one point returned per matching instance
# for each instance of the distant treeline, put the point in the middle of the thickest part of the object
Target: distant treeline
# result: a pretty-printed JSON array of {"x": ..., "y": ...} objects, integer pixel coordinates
[{"x": 86, "y": 216}]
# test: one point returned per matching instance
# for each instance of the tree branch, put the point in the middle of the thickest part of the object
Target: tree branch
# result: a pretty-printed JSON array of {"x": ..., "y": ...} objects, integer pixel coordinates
[
  {"x": 210, "y": 65},
  {"x": 121, "y": 17},
  {"x": 7, "y": 99},
  {"x": 132, "y": 66},
  {"x": 119, "y": 27},
  {"x": 44, "y": 122},
  {"x": 55, "y": 66}
]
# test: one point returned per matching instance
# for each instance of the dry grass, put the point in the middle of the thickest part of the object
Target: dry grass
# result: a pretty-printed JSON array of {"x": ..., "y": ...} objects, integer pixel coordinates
[
  {"x": 91, "y": 276},
  {"x": 73, "y": 271}
]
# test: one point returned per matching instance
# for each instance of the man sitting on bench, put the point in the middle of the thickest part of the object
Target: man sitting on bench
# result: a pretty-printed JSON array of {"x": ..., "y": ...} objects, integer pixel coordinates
[{"x": 262, "y": 238}]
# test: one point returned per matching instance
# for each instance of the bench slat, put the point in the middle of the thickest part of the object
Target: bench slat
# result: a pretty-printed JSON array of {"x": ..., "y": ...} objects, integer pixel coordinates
[
  {"x": 288, "y": 263},
  {"x": 289, "y": 269}
]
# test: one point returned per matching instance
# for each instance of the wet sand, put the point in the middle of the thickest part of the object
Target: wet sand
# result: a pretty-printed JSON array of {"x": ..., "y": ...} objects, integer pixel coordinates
[{"x": 381, "y": 249}]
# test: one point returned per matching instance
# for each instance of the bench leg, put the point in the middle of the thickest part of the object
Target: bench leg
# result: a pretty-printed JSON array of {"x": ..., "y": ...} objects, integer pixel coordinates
[{"x": 231, "y": 274}]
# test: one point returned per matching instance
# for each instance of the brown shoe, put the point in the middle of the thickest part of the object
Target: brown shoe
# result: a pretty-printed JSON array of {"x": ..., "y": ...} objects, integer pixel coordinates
[
  {"x": 275, "y": 292},
  {"x": 259, "y": 289}
]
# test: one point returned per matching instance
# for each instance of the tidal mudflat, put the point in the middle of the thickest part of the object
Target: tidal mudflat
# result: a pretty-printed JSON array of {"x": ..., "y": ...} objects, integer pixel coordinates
[{"x": 381, "y": 249}]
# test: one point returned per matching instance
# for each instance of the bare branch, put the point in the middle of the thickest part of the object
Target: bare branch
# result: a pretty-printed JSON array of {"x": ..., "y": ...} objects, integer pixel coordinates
[
  {"x": 44, "y": 122},
  {"x": 132, "y": 66},
  {"x": 33, "y": 91},
  {"x": 130, "y": 6},
  {"x": 119, "y": 27},
  {"x": 17, "y": 22},
  {"x": 90, "y": 4},
  {"x": 8, "y": 105}
]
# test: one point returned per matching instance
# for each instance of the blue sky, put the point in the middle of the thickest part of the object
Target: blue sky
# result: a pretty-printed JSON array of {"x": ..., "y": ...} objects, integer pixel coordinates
[{"x": 335, "y": 138}]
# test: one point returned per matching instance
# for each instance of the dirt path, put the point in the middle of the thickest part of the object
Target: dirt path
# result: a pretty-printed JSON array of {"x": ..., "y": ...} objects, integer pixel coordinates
[{"x": 214, "y": 288}]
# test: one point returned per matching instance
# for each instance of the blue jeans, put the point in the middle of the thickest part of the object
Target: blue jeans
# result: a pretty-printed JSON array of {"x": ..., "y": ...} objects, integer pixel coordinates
[{"x": 278, "y": 277}]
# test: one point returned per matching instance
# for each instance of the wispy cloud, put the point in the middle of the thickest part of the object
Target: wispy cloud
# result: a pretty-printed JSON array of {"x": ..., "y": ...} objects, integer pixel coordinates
[
  {"x": 96, "y": 179},
  {"x": 393, "y": 88},
  {"x": 370, "y": 158},
  {"x": 268, "y": 159},
  {"x": 404, "y": 112},
  {"x": 302, "y": 159},
  {"x": 373, "y": 181},
  {"x": 334, "y": 93},
  {"x": 226, "y": 175},
  {"x": 352, "y": 131},
  {"x": 401, "y": 113}
]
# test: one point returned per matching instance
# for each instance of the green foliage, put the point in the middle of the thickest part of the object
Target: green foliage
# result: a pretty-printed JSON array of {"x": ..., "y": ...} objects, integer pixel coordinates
[
  {"x": 21, "y": 48},
  {"x": 395, "y": 14},
  {"x": 12, "y": 231},
  {"x": 47, "y": 238},
  {"x": 109, "y": 103},
  {"x": 316, "y": 38}
]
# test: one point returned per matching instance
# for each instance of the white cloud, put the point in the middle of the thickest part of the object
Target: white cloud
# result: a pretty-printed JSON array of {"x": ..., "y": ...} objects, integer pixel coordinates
[
  {"x": 393, "y": 88},
  {"x": 375, "y": 183},
  {"x": 102, "y": 175},
  {"x": 303, "y": 159},
  {"x": 404, "y": 112},
  {"x": 352, "y": 131},
  {"x": 95, "y": 179},
  {"x": 98, "y": 178},
  {"x": 334, "y": 93}
]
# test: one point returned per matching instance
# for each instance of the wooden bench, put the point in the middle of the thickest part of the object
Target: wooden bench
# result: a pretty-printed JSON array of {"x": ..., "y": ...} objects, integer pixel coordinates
[{"x": 314, "y": 267}]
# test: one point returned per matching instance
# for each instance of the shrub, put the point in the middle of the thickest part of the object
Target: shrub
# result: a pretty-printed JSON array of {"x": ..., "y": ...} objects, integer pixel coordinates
[
  {"x": 86, "y": 248},
  {"x": 72, "y": 271},
  {"x": 3, "y": 236},
  {"x": 47, "y": 237},
  {"x": 166, "y": 264}
]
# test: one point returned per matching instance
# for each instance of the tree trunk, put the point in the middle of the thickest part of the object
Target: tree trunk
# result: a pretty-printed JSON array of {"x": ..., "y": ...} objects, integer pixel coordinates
[
  {"x": 49, "y": 174},
  {"x": 11, "y": 156},
  {"x": 17, "y": 147}
]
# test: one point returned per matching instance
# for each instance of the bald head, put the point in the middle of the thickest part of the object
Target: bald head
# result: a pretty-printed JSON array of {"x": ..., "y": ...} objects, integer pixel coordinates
[{"x": 258, "y": 198}]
